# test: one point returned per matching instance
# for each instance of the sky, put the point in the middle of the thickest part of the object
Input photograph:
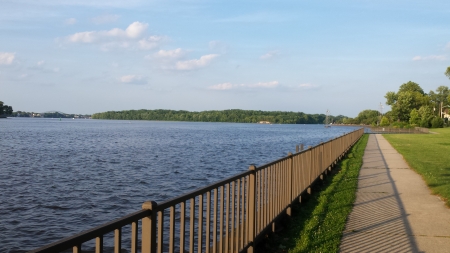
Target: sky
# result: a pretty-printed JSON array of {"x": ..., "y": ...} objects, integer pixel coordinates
[{"x": 88, "y": 56}]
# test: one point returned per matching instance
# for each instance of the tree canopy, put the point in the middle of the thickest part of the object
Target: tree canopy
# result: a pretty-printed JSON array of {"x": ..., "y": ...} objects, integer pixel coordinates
[
  {"x": 235, "y": 115},
  {"x": 5, "y": 109},
  {"x": 409, "y": 96},
  {"x": 410, "y": 104}
]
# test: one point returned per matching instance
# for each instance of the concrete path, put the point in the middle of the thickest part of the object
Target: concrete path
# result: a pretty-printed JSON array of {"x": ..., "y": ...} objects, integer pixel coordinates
[{"x": 394, "y": 210}]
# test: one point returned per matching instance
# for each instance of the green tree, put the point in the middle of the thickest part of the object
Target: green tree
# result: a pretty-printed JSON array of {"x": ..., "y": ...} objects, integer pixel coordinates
[
  {"x": 440, "y": 96},
  {"x": 409, "y": 96},
  {"x": 5, "y": 109},
  {"x": 414, "y": 117},
  {"x": 368, "y": 117},
  {"x": 426, "y": 114},
  {"x": 384, "y": 121},
  {"x": 412, "y": 87},
  {"x": 447, "y": 72}
]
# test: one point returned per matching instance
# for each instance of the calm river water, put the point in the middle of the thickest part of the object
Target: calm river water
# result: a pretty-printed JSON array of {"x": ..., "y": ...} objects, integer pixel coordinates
[{"x": 59, "y": 177}]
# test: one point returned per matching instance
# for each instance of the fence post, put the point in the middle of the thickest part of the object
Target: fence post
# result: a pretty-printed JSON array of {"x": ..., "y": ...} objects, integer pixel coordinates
[
  {"x": 310, "y": 165},
  {"x": 149, "y": 228},
  {"x": 291, "y": 185},
  {"x": 251, "y": 209}
]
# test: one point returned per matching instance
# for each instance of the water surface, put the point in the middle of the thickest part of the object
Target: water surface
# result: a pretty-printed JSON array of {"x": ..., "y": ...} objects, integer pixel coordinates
[{"x": 59, "y": 177}]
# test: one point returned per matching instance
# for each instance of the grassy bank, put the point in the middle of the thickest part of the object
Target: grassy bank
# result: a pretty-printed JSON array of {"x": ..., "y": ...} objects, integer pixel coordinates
[
  {"x": 429, "y": 155},
  {"x": 317, "y": 224}
]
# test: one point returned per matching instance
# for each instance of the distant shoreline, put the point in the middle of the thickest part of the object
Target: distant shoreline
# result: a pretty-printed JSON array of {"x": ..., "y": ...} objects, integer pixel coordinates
[{"x": 231, "y": 116}]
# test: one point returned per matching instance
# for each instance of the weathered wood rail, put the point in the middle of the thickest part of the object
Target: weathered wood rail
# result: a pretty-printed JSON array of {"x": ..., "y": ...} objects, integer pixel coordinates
[{"x": 231, "y": 215}]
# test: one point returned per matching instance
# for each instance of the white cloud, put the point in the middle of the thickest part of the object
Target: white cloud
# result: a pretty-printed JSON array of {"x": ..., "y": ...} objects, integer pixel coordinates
[
  {"x": 222, "y": 86},
  {"x": 133, "y": 31},
  {"x": 264, "y": 85},
  {"x": 40, "y": 63},
  {"x": 6, "y": 58},
  {"x": 151, "y": 42},
  {"x": 195, "y": 63},
  {"x": 130, "y": 38},
  {"x": 104, "y": 19},
  {"x": 70, "y": 21},
  {"x": 430, "y": 57},
  {"x": 136, "y": 29},
  {"x": 447, "y": 46},
  {"x": 229, "y": 86},
  {"x": 269, "y": 55},
  {"x": 132, "y": 79},
  {"x": 170, "y": 54},
  {"x": 83, "y": 37}
]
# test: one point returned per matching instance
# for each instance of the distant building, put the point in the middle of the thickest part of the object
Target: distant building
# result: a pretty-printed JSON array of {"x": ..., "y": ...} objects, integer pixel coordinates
[
  {"x": 445, "y": 113},
  {"x": 264, "y": 122}
]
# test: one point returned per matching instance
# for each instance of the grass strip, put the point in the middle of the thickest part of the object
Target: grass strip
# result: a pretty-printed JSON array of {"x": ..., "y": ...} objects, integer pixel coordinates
[
  {"x": 428, "y": 155},
  {"x": 317, "y": 224}
]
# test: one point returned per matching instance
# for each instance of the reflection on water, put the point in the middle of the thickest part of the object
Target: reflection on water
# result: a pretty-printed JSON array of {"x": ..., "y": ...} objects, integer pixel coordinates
[{"x": 58, "y": 178}]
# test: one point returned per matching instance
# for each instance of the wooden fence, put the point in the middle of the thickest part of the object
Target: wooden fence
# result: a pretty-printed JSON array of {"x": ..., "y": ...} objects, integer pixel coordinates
[
  {"x": 392, "y": 130},
  {"x": 228, "y": 216}
]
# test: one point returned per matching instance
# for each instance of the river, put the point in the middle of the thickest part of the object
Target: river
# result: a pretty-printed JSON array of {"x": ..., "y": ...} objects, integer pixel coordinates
[{"x": 59, "y": 177}]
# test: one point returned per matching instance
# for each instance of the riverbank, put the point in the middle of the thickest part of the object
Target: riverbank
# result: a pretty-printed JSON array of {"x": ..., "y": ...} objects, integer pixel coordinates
[{"x": 317, "y": 224}]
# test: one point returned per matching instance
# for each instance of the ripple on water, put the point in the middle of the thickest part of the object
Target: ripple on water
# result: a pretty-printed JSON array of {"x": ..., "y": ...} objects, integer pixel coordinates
[{"x": 61, "y": 177}]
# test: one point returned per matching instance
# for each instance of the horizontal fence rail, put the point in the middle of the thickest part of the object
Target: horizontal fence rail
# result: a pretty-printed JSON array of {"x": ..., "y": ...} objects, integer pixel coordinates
[
  {"x": 231, "y": 215},
  {"x": 393, "y": 130}
]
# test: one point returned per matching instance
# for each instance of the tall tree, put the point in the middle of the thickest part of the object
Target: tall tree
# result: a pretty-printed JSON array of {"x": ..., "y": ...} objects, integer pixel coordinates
[
  {"x": 447, "y": 72},
  {"x": 440, "y": 96},
  {"x": 409, "y": 96}
]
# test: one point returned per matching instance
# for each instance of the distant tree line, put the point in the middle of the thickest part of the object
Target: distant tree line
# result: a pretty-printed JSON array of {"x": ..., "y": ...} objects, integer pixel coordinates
[
  {"x": 5, "y": 110},
  {"x": 234, "y": 115},
  {"x": 47, "y": 115}
]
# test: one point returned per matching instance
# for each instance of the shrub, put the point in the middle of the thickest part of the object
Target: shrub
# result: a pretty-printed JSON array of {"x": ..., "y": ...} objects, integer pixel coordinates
[
  {"x": 384, "y": 121},
  {"x": 437, "y": 123},
  {"x": 424, "y": 123}
]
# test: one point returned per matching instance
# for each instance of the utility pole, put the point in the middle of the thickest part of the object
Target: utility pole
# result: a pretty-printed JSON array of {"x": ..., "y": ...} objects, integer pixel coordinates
[{"x": 380, "y": 109}]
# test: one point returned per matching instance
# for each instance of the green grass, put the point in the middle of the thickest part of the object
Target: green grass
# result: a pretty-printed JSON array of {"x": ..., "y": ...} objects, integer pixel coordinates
[
  {"x": 317, "y": 225},
  {"x": 428, "y": 155}
]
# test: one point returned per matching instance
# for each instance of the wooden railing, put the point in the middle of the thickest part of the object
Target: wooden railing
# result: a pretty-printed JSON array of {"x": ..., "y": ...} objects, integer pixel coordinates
[
  {"x": 392, "y": 130},
  {"x": 228, "y": 216}
]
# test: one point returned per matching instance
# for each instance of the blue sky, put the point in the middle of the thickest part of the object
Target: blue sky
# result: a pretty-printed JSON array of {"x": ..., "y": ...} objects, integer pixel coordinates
[{"x": 87, "y": 56}]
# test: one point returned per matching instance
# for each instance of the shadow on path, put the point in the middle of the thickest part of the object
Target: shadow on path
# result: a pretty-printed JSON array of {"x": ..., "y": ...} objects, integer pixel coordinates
[{"x": 378, "y": 221}]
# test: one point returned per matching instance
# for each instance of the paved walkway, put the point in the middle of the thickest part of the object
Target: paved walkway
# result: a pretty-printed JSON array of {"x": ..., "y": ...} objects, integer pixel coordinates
[{"x": 394, "y": 210}]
